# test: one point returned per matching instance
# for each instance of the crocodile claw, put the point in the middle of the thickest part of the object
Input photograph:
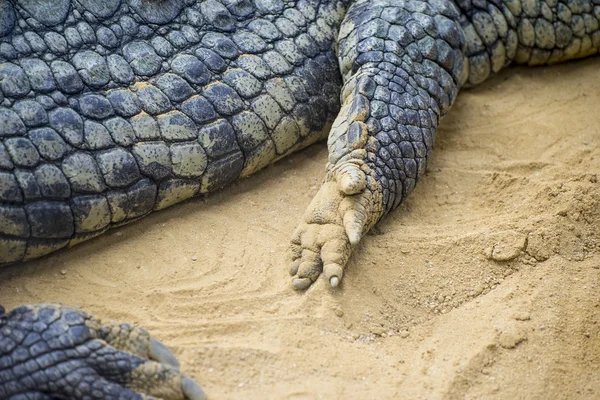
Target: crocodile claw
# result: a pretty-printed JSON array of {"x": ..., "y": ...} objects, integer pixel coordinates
[{"x": 334, "y": 223}]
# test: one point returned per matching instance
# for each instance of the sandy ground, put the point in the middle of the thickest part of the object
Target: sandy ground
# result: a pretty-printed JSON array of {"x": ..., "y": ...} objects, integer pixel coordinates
[{"x": 484, "y": 285}]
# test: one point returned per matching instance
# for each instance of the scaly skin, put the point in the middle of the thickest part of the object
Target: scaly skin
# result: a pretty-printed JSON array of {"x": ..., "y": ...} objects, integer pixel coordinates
[
  {"x": 112, "y": 109},
  {"x": 53, "y": 352}
]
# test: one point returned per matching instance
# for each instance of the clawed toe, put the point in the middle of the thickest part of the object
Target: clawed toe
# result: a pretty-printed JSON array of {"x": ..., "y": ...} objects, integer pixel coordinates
[
  {"x": 333, "y": 273},
  {"x": 192, "y": 390},
  {"x": 160, "y": 353},
  {"x": 301, "y": 283}
]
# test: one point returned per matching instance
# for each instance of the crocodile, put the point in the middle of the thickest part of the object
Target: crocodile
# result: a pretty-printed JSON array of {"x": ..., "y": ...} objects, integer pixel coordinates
[{"x": 112, "y": 109}]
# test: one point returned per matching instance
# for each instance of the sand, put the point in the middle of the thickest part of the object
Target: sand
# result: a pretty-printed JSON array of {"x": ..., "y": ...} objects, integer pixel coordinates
[{"x": 485, "y": 284}]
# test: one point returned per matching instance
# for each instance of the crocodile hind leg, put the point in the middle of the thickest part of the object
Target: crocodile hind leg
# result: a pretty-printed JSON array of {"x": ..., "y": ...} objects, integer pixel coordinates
[
  {"x": 402, "y": 64},
  {"x": 50, "y": 351}
]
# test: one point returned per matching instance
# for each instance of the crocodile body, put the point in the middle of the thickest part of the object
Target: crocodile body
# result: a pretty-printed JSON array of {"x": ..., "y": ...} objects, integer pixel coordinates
[{"x": 112, "y": 109}]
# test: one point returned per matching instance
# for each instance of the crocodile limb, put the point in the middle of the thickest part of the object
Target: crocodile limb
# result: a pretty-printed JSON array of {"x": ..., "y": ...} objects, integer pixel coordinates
[
  {"x": 53, "y": 352},
  {"x": 403, "y": 63}
]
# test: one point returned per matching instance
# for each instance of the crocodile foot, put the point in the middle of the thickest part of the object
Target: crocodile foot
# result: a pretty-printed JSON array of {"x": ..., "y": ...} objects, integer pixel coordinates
[
  {"x": 50, "y": 351},
  {"x": 344, "y": 209}
]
